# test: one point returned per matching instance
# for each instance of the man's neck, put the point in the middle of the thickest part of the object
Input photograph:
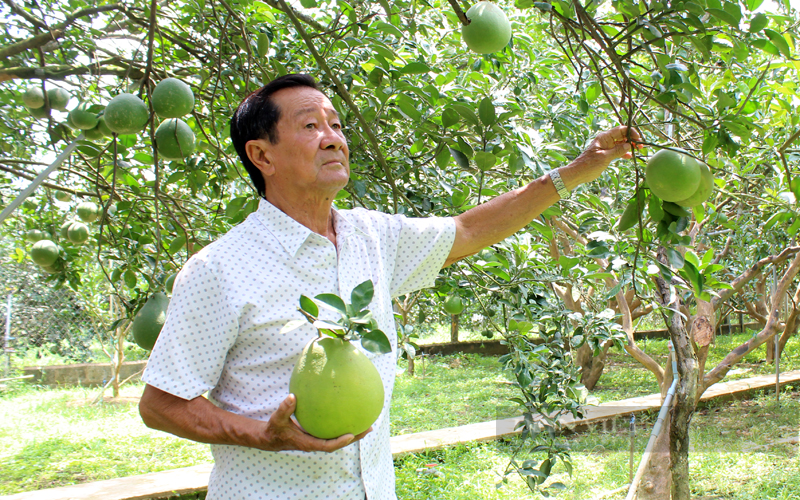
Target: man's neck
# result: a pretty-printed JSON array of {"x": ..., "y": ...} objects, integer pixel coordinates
[{"x": 314, "y": 213}]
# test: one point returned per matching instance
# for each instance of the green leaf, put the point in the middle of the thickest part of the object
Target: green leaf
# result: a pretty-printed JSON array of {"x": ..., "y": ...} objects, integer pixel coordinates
[
  {"x": 332, "y": 301},
  {"x": 487, "y": 112},
  {"x": 709, "y": 142},
  {"x": 467, "y": 113},
  {"x": 485, "y": 160},
  {"x": 752, "y": 5},
  {"x": 309, "y": 306},
  {"x": 692, "y": 258},
  {"x": 675, "y": 258},
  {"x": 780, "y": 43},
  {"x": 262, "y": 44},
  {"x": 758, "y": 23},
  {"x": 415, "y": 68},
  {"x": 654, "y": 207},
  {"x": 724, "y": 16},
  {"x": 630, "y": 217},
  {"x": 675, "y": 209},
  {"x": 449, "y": 117},
  {"x": 130, "y": 278},
  {"x": 694, "y": 277},
  {"x": 593, "y": 91},
  {"x": 292, "y": 325},
  {"x": 328, "y": 325},
  {"x": 765, "y": 45},
  {"x": 376, "y": 342},
  {"x": 177, "y": 244},
  {"x": 408, "y": 107},
  {"x": 362, "y": 295},
  {"x": 443, "y": 158},
  {"x": 461, "y": 159}
]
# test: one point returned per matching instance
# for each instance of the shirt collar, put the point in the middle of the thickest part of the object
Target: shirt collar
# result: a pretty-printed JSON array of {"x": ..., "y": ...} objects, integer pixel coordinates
[{"x": 290, "y": 233}]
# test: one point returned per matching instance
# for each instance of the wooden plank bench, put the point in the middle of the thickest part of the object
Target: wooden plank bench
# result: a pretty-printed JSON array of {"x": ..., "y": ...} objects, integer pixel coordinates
[{"x": 189, "y": 480}]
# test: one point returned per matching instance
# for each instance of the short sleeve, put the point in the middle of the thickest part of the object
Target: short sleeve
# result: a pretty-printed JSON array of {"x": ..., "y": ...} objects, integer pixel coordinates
[
  {"x": 423, "y": 245},
  {"x": 200, "y": 328}
]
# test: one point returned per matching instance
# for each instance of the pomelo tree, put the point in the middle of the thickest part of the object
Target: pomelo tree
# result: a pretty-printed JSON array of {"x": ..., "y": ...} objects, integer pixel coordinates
[{"x": 434, "y": 129}]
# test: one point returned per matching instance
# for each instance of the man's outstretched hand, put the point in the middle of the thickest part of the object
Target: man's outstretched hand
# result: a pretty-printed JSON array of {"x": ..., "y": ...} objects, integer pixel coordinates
[
  {"x": 605, "y": 148},
  {"x": 283, "y": 433}
]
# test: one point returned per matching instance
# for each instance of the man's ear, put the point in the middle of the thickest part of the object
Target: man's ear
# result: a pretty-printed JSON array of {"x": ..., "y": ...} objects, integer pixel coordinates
[{"x": 258, "y": 151}]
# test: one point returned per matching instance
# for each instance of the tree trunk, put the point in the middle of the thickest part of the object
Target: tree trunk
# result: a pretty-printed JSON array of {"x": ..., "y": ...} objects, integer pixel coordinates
[
  {"x": 454, "y": 319},
  {"x": 410, "y": 369},
  {"x": 684, "y": 405},
  {"x": 657, "y": 478},
  {"x": 120, "y": 358},
  {"x": 591, "y": 366}
]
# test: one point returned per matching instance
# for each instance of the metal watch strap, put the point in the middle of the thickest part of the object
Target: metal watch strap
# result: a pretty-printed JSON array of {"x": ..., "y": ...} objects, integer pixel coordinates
[{"x": 563, "y": 192}]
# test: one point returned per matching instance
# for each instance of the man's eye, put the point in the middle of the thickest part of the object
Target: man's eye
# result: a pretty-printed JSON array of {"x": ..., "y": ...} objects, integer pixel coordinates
[
  {"x": 310, "y": 125},
  {"x": 337, "y": 126}
]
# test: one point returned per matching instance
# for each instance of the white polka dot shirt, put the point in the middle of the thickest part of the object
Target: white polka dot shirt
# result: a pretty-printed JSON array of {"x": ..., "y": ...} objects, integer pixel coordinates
[{"x": 222, "y": 336}]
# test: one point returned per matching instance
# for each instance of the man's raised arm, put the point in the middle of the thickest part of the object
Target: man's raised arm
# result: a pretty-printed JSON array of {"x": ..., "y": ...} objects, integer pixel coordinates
[{"x": 504, "y": 215}]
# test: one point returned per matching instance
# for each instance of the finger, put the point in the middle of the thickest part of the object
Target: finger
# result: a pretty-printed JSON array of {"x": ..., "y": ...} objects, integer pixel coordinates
[
  {"x": 330, "y": 445},
  {"x": 621, "y": 150},
  {"x": 358, "y": 437},
  {"x": 286, "y": 408}
]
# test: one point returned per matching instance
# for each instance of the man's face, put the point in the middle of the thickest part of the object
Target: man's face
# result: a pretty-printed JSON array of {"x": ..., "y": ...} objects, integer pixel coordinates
[{"x": 311, "y": 153}]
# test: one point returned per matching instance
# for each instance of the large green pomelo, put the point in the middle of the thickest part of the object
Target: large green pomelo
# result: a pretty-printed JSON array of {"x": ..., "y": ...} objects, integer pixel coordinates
[
  {"x": 82, "y": 118},
  {"x": 94, "y": 134},
  {"x": 44, "y": 253},
  {"x": 703, "y": 191},
  {"x": 33, "y": 98},
  {"x": 78, "y": 233},
  {"x": 34, "y": 235},
  {"x": 102, "y": 127},
  {"x": 38, "y": 113},
  {"x": 172, "y": 98},
  {"x": 175, "y": 139},
  {"x": 59, "y": 98},
  {"x": 489, "y": 29},
  {"x": 88, "y": 211},
  {"x": 338, "y": 389},
  {"x": 149, "y": 320},
  {"x": 64, "y": 231},
  {"x": 170, "y": 282},
  {"x": 54, "y": 268},
  {"x": 126, "y": 114},
  {"x": 63, "y": 196},
  {"x": 672, "y": 175},
  {"x": 453, "y": 305}
]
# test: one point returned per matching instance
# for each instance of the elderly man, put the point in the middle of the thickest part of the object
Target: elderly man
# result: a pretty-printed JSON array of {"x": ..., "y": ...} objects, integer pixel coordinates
[{"x": 233, "y": 297}]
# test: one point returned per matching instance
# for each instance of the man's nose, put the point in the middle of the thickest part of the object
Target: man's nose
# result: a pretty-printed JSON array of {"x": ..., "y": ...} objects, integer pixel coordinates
[{"x": 333, "y": 138}]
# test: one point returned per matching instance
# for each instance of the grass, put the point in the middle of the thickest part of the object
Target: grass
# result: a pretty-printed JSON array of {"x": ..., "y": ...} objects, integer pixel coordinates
[
  {"x": 721, "y": 466},
  {"x": 54, "y": 437},
  {"x": 448, "y": 391}
]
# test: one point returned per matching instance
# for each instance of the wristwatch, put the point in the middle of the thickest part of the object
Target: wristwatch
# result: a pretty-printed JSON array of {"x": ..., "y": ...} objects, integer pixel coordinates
[{"x": 563, "y": 192}]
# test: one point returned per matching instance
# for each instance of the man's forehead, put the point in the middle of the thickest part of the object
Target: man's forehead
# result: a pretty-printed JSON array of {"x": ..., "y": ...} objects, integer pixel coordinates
[{"x": 299, "y": 101}]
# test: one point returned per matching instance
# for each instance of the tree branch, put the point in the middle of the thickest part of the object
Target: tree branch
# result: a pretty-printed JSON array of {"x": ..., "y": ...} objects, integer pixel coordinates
[
  {"x": 769, "y": 330},
  {"x": 751, "y": 272},
  {"x": 53, "y": 33},
  {"x": 60, "y": 72}
]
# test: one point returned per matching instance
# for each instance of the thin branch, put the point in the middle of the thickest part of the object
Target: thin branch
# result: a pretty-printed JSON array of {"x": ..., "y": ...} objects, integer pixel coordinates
[
  {"x": 53, "y": 33},
  {"x": 460, "y": 13},
  {"x": 60, "y": 72}
]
